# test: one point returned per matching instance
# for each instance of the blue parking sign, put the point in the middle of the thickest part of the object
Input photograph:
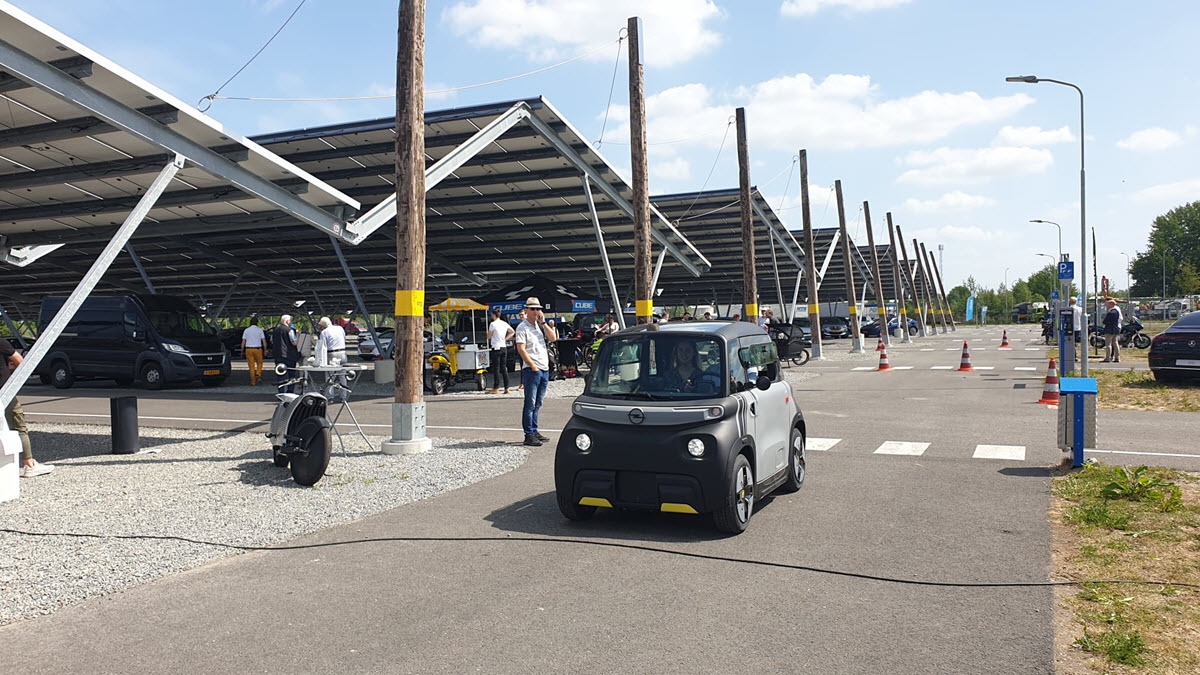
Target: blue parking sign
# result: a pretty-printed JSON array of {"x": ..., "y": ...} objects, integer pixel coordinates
[{"x": 1066, "y": 271}]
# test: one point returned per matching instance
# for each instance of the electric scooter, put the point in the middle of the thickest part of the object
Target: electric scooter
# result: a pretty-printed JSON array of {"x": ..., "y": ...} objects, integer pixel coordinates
[{"x": 301, "y": 433}]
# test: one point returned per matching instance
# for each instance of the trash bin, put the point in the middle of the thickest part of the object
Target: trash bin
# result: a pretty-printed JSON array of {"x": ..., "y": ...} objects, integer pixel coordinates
[
  {"x": 1077, "y": 416},
  {"x": 124, "y": 414}
]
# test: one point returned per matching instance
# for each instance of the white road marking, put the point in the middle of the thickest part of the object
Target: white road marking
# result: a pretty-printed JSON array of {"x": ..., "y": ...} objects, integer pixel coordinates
[
  {"x": 1134, "y": 452},
  {"x": 864, "y": 368},
  {"x": 1025, "y": 368},
  {"x": 927, "y": 349},
  {"x": 1013, "y": 452},
  {"x": 902, "y": 367},
  {"x": 985, "y": 367},
  {"x": 901, "y": 448},
  {"x": 822, "y": 444},
  {"x": 1033, "y": 349},
  {"x": 952, "y": 349},
  {"x": 981, "y": 349},
  {"x": 995, "y": 339},
  {"x": 942, "y": 368}
]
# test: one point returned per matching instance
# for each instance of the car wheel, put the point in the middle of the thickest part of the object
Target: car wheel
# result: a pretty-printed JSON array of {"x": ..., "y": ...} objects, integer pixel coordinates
[
  {"x": 1141, "y": 341},
  {"x": 153, "y": 376},
  {"x": 733, "y": 516},
  {"x": 278, "y": 458},
  {"x": 60, "y": 375},
  {"x": 572, "y": 510},
  {"x": 796, "y": 463}
]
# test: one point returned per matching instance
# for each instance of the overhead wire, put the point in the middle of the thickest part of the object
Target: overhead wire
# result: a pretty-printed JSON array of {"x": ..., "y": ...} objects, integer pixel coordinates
[
  {"x": 707, "y": 178},
  {"x": 611, "y": 88},
  {"x": 211, "y": 97}
]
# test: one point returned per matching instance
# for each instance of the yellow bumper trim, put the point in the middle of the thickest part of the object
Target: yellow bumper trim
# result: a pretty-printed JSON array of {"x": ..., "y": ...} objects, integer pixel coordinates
[
  {"x": 670, "y": 507},
  {"x": 595, "y": 501}
]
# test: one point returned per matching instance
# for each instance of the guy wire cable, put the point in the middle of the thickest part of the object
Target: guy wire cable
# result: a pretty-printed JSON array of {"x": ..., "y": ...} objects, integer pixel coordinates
[{"x": 213, "y": 95}]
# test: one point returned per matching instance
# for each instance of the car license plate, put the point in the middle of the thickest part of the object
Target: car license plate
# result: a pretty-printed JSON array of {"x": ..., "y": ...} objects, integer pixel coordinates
[
  {"x": 213, "y": 372},
  {"x": 1187, "y": 362}
]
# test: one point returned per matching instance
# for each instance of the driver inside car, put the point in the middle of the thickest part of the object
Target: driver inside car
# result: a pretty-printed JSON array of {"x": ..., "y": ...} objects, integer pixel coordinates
[{"x": 685, "y": 374}]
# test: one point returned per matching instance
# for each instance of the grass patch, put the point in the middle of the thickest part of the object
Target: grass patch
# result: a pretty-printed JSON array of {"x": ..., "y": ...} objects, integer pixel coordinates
[
  {"x": 1113, "y": 523},
  {"x": 1138, "y": 390}
]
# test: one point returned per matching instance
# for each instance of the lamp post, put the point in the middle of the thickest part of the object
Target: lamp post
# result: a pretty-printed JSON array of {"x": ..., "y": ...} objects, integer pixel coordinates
[
  {"x": 1033, "y": 79},
  {"x": 1007, "y": 292},
  {"x": 1054, "y": 307},
  {"x": 1128, "y": 292},
  {"x": 1051, "y": 222}
]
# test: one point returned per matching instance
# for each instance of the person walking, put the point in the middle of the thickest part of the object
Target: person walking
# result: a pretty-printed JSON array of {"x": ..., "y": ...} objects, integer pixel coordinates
[
  {"x": 253, "y": 342},
  {"x": 532, "y": 337},
  {"x": 283, "y": 339},
  {"x": 499, "y": 333},
  {"x": 15, "y": 415},
  {"x": 1112, "y": 332}
]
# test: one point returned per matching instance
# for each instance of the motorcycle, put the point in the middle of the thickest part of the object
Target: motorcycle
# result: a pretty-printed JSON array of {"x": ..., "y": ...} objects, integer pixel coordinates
[
  {"x": 301, "y": 433},
  {"x": 1131, "y": 334}
]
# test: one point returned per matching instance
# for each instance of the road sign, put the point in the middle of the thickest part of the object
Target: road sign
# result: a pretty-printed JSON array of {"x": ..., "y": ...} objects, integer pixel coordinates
[
  {"x": 1053, "y": 295},
  {"x": 1066, "y": 271}
]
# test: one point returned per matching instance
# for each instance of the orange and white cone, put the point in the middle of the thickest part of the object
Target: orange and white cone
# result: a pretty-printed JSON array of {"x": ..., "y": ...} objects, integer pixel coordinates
[
  {"x": 879, "y": 347},
  {"x": 1050, "y": 391},
  {"x": 1004, "y": 341},
  {"x": 883, "y": 360},
  {"x": 965, "y": 364}
]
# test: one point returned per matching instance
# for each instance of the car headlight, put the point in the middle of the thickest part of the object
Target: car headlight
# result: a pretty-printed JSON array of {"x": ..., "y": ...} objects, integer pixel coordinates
[
  {"x": 695, "y": 447},
  {"x": 583, "y": 442},
  {"x": 172, "y": 347}
]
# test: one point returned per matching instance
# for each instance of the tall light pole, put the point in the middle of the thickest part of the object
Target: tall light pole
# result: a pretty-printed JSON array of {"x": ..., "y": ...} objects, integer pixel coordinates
[
  {"x": 1007, "y": 292},
  {"x": 1051, "y": 222},
  {"x": 1128, "y": 293},
  {"x": 1033, "y": 79}
]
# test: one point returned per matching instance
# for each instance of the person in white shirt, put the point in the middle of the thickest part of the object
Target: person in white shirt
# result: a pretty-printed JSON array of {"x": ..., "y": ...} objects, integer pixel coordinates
[
  {"x": 499, "y": 334},
  {"x": 334, "y": 337},
  {"x": 532, "y": 337},
  {"x": 253, "y": 342}
]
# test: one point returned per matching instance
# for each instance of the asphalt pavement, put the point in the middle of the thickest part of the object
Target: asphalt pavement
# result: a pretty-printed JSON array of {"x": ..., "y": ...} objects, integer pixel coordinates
[{"x": 452, "y": 585}]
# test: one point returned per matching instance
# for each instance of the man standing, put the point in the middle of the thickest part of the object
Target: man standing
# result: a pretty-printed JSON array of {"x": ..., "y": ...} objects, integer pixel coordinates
[
  {"x": 499, "y": 333},
  {"x": 334, "y": 338},
  {"x": 1077, "y": 320},
  {"x": 253, "y": 339},
  {"x": 532, "y": 337},
  {"x": 283, "y": 338},
  {"x": 1112, "y": 331},
  {"x": 15, "y": 415}
]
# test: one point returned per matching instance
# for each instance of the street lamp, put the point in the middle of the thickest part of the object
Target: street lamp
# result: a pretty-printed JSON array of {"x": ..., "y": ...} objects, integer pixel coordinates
[
  {"x": 1033, "y": 79},
  {"x": 1007, "y": 292},
  {"x": 1051, "y": 222},
  {"x": 1128, "y": 292}
]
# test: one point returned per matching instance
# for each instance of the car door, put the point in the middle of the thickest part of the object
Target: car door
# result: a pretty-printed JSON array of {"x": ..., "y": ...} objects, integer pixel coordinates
[{"x": 772, "y": 421}]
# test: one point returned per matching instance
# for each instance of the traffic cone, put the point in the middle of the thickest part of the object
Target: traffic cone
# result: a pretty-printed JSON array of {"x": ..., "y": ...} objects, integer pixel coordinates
[
  {"x": 879, "y": 347},
  {"x": 965, "y": 364},
  {"x": 1050, "y": 391},
  {"x": 1004, "y": 341},
  {"x": 883, "y": 360}
]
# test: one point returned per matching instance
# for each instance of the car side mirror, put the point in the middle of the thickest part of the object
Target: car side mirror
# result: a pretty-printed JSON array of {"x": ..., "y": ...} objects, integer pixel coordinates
[
  {"x": 138, "y": 335},
  {"x": 763, "y": 383}
]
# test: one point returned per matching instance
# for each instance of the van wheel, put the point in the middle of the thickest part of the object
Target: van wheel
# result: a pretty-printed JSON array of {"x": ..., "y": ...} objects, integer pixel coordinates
[
  {"x": 733, "y": 516},
  {"x": 60, "y": 375},
  {"x": 153, "y": 376},
  {"x": 796, "y": 463}
]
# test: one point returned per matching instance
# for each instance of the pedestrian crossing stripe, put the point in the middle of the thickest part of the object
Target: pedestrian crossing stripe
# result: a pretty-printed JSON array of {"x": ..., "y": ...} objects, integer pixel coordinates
[
  {"x": 822, "y": 444},
  {"x": 1011, "y": 452},
  {"x": 901, "y": 448},
  {"x": 1025, "y": 368}
]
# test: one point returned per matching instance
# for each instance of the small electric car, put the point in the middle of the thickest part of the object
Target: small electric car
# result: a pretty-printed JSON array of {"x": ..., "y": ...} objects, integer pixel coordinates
[{"x": 684, "y": 418}]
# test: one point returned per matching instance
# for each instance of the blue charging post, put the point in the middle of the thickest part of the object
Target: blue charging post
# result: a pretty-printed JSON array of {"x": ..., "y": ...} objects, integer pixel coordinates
[{"x": 1077, "y": 416}]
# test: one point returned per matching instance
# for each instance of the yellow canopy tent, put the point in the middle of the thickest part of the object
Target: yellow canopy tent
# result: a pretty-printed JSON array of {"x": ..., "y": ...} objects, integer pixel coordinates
[{"x": 460, "y": 305}]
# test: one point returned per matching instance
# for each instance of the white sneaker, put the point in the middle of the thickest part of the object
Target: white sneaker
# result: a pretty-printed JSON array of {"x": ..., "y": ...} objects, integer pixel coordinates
[{"x": 36, "y": 470}]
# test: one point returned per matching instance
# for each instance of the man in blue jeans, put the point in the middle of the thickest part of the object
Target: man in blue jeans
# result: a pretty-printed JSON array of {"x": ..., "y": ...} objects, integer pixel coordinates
[{"x": 532, "y": 337}]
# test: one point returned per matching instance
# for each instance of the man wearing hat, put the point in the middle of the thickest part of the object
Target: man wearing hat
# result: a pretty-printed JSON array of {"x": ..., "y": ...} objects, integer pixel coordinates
[{"x": 532, "y": 338}]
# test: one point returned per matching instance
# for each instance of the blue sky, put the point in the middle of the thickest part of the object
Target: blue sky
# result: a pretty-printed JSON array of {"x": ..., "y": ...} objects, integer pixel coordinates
[{"x": 904, "y": 101}]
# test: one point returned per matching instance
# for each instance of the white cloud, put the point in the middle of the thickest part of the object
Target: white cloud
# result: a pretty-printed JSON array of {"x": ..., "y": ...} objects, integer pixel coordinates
[
  {"x": 840, "y": 112},
  {"x": 951, "y": 201},
  {"x": 676, "y": 168},
  {"x": 957, "y": 233},
  {"x": 972, "y": 165},
  {"x": 1033, "y": 136},
  {"x": 802, "y": 8},
  {"x": 1182, "y": 191},
  {"x": 674, "y": 31},
  {"x": 1149, "y": 140}
]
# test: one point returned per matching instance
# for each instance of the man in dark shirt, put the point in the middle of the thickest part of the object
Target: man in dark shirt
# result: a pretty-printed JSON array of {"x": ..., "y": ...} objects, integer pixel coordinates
[
  {"x": 15, "y": 416},
  {"x": 283, "y": 339}
]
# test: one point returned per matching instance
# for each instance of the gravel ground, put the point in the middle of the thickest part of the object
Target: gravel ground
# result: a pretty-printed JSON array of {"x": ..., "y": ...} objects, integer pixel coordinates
[{"x": 204, "y": 485}]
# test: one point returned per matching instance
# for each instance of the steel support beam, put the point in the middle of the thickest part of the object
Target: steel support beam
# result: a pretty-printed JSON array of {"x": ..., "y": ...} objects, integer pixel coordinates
[
  {"x": 78, "y": 127},
  {"x": 228, "y": 294},
  {"x": 73, "y": 91},
  {"x": 23, "y": 255},
  {"x": 775, "y": 236},
  {"x": 828, "y": 257},
  {"x": 362, "y": 306},
  {"x": 77, "y": 67},
  {"x": 612, "y": 282},
  {"x": 16, "y": 333},
  {"x": 137, "y": 262},
  {"x": 662, "y": 256},
  {"x": 55, "y": 328}
]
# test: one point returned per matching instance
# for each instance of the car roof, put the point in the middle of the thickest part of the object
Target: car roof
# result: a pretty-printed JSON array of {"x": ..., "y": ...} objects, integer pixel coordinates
[{"x": 725, "y": 329}]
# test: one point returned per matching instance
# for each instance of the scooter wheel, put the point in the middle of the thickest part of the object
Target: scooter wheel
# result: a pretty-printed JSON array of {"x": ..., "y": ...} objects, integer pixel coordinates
[
  {"x": 479, "y": 381},
  {"x": 309, "y": 466},
  {"x": 280, "y": 459}
]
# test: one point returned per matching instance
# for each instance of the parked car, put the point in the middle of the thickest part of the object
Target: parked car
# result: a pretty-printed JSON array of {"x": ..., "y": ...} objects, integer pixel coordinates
[
  {"x": 1175, "y": 352},
  {"x": 351, "y": 327},
  {"x": 835, "y": 327},
  {"x": 157, "y": 339},
  {"x": 894, "y": 326},
  {"x": 804, "y": 323},
  {"x": 368, "y": 352},
  {"x": 717, "y": 439},
  {"x": 873, "y": 329}
]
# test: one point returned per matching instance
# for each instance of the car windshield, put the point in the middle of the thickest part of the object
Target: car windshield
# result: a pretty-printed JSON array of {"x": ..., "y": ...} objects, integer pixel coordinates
[
  {"x": 659, "y": 367},
  {"x": 180, "y": 324}
]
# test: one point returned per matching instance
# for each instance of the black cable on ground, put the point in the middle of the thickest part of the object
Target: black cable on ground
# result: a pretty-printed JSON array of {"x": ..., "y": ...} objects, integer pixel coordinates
[{"x": 609, "y": 544}]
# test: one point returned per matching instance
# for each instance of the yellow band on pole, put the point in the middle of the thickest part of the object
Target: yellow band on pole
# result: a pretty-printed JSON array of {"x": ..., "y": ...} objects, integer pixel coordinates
[
  {"x": 853, "y": 310},
  {"x": 752, "y": 310},
  {"x": 410, "y": 303},
  {"x": 814, "y": 309},
  {"x": 644, "y": 307}
]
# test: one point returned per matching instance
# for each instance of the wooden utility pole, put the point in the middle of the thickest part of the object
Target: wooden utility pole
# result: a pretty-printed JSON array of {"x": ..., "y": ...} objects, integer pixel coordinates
[
  {"x": 911, "y": 274},
  {"x": 408, "y": 410},
  {"x": 899, "y": 282},
  {"x": 749, "y": 276},
  {"x": 883, "y": 319},
  {"x": 937, "y": 275},
  {"x": 934, "y": 288},
  {"x": 847, "y": 260},
  {"x": 814, "y": 302},
  {"x": 923, "y": 275},
  {"x": 643, "y": 295}
]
